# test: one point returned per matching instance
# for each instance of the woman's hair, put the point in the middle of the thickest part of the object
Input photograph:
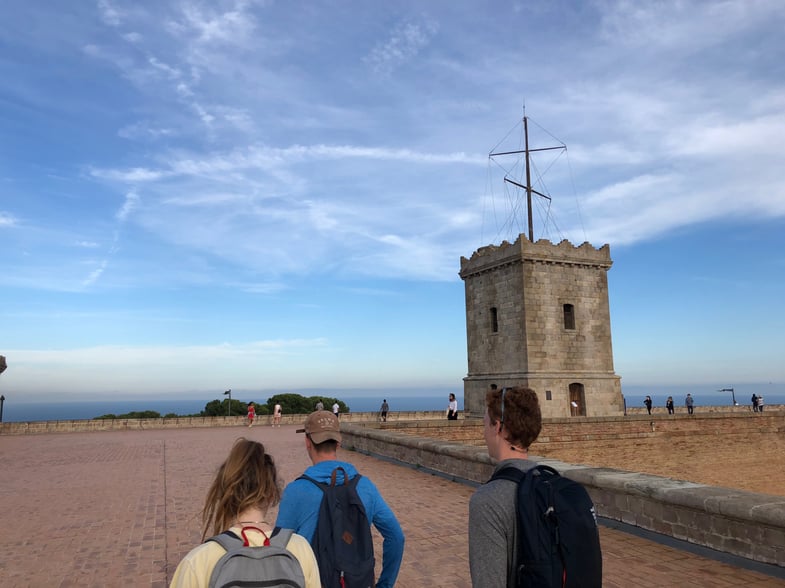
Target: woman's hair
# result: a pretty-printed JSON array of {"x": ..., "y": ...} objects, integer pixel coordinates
[
  {"x": 519, "y": 411},
  {"x": 247, "y": 479}
]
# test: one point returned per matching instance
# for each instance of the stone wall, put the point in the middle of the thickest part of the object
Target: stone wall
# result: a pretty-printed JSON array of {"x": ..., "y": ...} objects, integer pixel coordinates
[
  {"x": 747, "y": 524},
  {"x": 711, "y": 421},
  {"x": 75, "y": 426}
]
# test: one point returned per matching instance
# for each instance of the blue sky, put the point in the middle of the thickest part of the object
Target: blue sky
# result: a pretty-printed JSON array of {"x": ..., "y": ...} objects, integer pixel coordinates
[{"x": 197, "y": 196}]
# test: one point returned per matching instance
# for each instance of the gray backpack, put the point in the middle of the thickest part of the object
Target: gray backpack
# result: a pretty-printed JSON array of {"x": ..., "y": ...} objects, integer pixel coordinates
[{"x": 271, "y": 565}]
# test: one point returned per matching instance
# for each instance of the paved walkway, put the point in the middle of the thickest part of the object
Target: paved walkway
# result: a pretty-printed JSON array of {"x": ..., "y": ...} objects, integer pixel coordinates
[{"x": 122, "y": 508}]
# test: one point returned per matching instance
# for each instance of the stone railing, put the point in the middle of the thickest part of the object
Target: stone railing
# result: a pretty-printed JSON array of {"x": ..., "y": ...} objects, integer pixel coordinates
[
  {"x": 733, "y": 521},
  {"x": 681, "y": 409},
  {"x": 87, "y": 425}
]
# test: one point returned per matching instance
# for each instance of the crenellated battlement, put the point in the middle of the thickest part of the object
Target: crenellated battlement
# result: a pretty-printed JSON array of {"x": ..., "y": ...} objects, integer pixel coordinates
[{"x": 542, "y": 250}]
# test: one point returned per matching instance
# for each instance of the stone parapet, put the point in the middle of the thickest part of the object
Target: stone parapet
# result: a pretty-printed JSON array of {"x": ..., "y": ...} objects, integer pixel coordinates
[
  {"x": 743, "y": 523},
  {"x": 747, "y": 524},
  {"x": 701, "y": 410},
  {"x": 433, "y": 423},
  {"x": 86, "y": 425}
]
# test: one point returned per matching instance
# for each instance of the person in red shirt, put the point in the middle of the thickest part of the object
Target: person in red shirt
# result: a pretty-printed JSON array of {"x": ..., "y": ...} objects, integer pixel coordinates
[{"x": 251, "y": 413}]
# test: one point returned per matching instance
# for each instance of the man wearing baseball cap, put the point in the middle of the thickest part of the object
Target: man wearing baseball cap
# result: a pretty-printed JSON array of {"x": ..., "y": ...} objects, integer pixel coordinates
[{"x": 299, "y": 507}]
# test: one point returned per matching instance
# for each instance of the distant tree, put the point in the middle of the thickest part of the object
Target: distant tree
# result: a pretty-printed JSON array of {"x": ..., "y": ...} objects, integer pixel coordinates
[
  {"x": 290, "y": 403},
  {"x": 105, "y": 417},
  {"x": 171, "y": 415},
  {"x": 299, "y": 404},
  {"x": 142, "y": 414},
  {"x": 220, "y": 408},
  {"x": 328, "y": 403},
  {"x": 261, "y": 409}
]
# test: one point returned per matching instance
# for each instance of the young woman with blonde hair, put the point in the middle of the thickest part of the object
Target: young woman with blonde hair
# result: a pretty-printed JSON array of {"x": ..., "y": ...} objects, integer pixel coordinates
[{"x": 244, "y": 489}]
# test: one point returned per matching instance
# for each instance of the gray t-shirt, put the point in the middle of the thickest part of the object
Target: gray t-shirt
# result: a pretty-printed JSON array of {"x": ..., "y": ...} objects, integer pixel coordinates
[{"x": 493, "y": 537}]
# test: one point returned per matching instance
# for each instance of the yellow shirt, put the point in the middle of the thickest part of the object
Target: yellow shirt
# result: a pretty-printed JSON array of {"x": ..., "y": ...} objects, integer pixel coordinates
[{"x": 195, "y": 568}]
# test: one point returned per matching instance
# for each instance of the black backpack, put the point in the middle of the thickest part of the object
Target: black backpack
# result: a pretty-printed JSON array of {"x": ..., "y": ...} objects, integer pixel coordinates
[
  {"x": 558, "y": 538},
  {"x": 342, "y": 540}
]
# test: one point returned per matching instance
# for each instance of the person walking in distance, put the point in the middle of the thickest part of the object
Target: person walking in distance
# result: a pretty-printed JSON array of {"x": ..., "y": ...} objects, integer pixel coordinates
[
  {"x": 384, "y": 410},
  {"x": 251, "y": 414},
  {"x": 243, "y": 490},
  {"x": 689, "y": 402},
  {"x": 277, "y": 415},
  {"x": 648, "y": 403},
  {"x": 301, "y": 507},
  {"x": 669, "y": 404}
]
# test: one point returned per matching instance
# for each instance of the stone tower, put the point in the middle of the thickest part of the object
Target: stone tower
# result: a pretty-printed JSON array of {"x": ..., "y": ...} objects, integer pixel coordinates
[{"x": 537, "y": 315}]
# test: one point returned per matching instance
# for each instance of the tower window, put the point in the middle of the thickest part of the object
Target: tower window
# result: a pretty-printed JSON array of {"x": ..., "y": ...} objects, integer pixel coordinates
[
  {"x": 569, "y": 316},
  {"x": 494, "y": 320}
]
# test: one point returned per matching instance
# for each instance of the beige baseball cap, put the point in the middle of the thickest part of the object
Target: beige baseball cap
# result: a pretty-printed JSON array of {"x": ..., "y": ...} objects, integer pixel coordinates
[{"x": 321, "y": 426}]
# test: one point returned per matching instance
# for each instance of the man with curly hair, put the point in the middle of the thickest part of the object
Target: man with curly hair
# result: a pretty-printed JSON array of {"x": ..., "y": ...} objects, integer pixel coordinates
[{"x": 511, "y": 423}]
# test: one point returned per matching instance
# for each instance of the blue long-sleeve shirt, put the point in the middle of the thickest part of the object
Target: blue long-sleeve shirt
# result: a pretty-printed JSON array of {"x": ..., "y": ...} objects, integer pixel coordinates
[{"x": 299, "y": 510}]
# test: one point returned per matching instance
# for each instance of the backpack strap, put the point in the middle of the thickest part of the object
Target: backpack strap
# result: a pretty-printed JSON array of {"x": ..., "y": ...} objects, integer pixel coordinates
[
  {"x": 320, "y": 485},
  {"x": 510, "y": 473},
  {"x": 227, "y": 540},
  {"x": 280, "y": 537},
  {"x": 333, "y": 479},
  {"x": 516, "y": 475}
]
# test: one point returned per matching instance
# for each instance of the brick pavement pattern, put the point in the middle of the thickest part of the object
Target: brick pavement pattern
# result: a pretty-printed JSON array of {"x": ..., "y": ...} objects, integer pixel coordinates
[{"x": 122, "y": 508}]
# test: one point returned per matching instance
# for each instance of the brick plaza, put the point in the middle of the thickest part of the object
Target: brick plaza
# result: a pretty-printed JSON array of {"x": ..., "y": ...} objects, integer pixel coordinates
[{"x": 122, "y": 508}]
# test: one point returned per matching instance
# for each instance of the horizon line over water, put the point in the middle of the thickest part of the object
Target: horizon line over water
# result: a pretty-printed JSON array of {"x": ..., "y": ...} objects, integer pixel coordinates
[{"x": 433, "y": 399}]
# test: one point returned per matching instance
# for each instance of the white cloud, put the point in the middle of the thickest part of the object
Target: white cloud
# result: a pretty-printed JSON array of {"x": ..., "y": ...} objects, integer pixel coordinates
[
  {"x": 110, "y": 14},
  {"x": 171, "y": 72},
  {"x": 130, "y": 176},
  {"x": 405, "y": 42},
  {"x": 7, "y": 220},
  {"x": 266, "y": 158},
  {"x": 213, "y": 27},
  {"x": 93, "y": 277},
  {"x": 733, "y": 138},
  {"x": 144, "y": 130},
  {"x": 131, "y": 201}
]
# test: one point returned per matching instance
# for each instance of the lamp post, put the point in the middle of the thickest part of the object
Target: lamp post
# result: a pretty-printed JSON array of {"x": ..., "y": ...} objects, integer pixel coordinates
[
  {"x": 229, "y": 408},
  {"x": 3, "y": 365},
  {"x": 733, "y": 394}
]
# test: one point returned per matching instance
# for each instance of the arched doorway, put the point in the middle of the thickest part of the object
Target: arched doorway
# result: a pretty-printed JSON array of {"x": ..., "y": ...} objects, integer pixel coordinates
[{"x": 577, "y": 400}]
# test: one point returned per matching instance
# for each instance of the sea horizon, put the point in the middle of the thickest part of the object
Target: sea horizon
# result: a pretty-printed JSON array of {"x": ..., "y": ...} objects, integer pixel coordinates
[{"x": 399, "y": 399}]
